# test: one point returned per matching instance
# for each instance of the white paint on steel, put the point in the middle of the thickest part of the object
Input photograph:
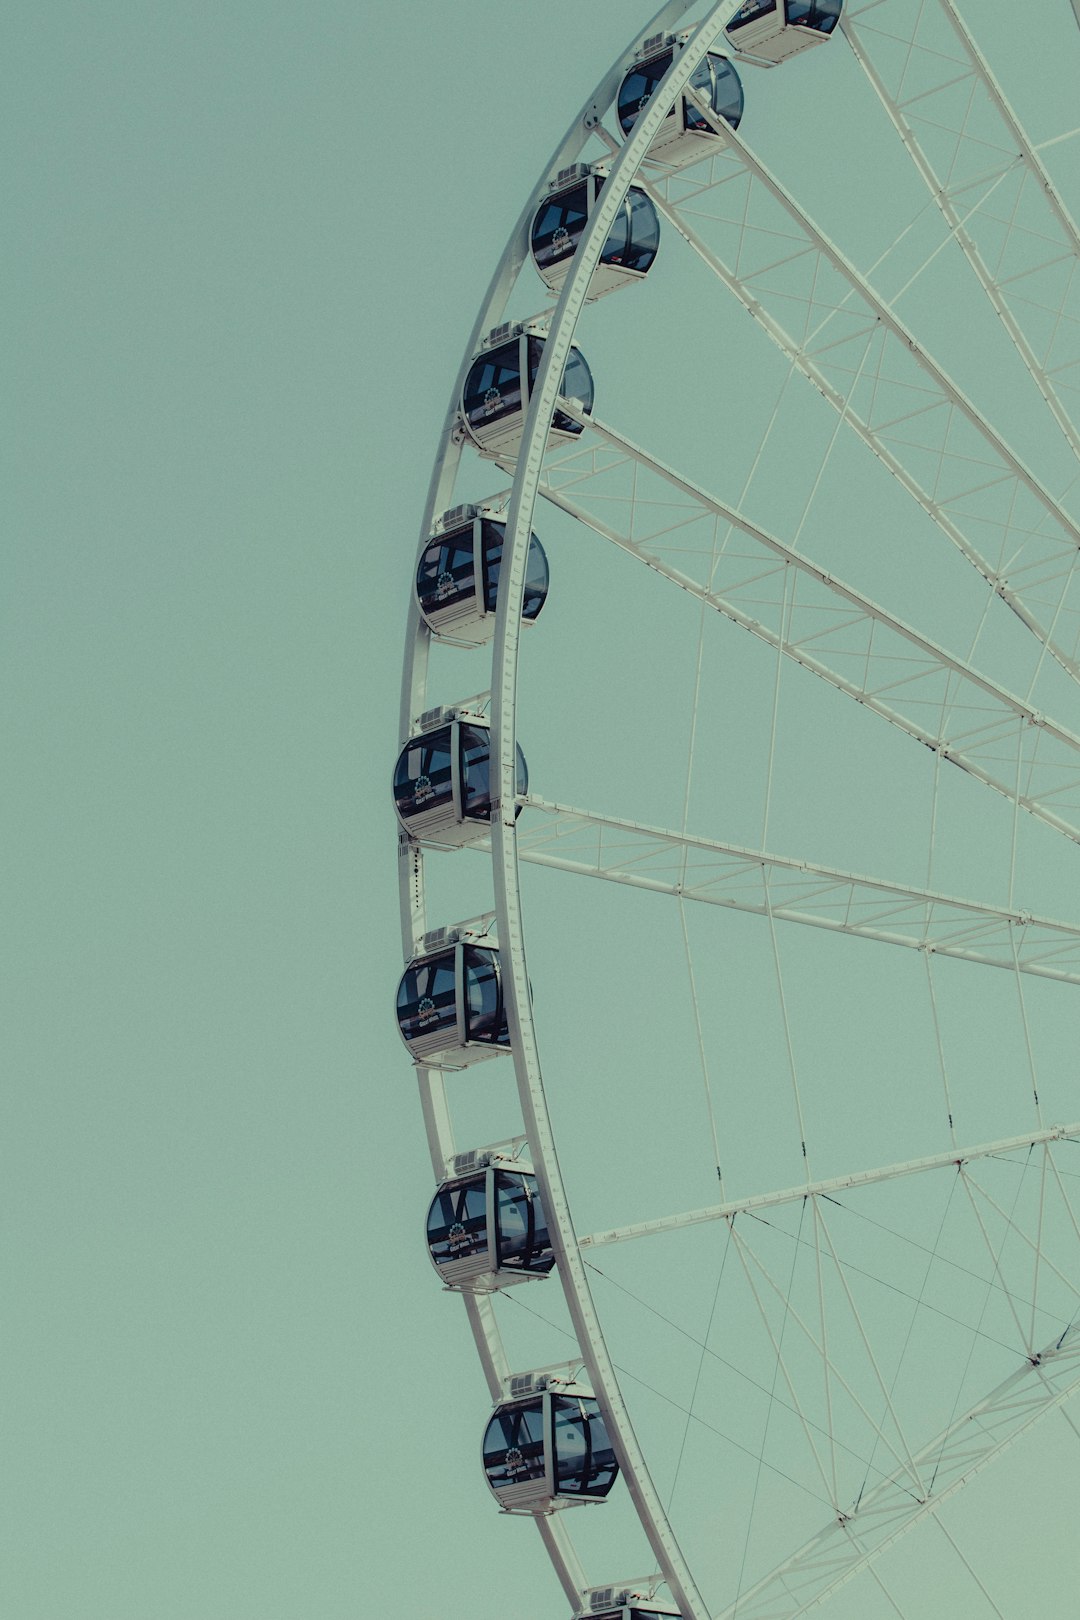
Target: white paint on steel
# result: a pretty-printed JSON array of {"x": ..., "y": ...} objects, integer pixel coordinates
[
  {"x": 793, "y": 890},
  {"x": 849, "y": 1542},
  {"x": 441, "y": 1145},
  {"x": 545, "y": 394},
  {"x": 812, "y": 1189},
  {"x": 1059, "y": 223},
  {"x": 884, "y": 315},
  {"x": 968, "y": 749}
]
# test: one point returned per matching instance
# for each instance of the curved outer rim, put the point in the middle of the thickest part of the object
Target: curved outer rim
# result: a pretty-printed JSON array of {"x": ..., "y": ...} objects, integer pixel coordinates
[
  {"x": 504, "y": 839},
  {"x": 504, "y": 749}
]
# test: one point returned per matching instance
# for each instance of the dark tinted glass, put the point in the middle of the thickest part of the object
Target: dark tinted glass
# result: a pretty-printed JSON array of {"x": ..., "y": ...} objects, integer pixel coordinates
[
  {"x": 425, "y": 1000},
  {"x": 635, "y": 236},
  {"x": 514, "y": 1445},
  {"x": 493, "y": 386},
  {"x": 536, "y": 570},
  {"x": 485, "y": 1019},
  {"x": 727, "y": 95},
  {"x": 521, "y": 1228},
  {"x": 577, "y": 384},
  {"x": 423, "y": 777},
  {"x": 748, "y": 12},
  {"x": 558, "y": 225},
  {"x": 820, "y": 14},
  {"x": 718, "y": 82},
  {"x": 637, "y": 88},
  {"x": 476, "y": 772},
  {"x": 457, "y": 1222},
  {"x": 445, "y": 573},
  {"x": 584, "y": 1459},
  {"x": 536, "y": 580}
]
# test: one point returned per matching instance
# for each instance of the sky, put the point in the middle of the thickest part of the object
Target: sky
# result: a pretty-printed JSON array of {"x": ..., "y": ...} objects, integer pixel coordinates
[{"x": 248, "y": 247}]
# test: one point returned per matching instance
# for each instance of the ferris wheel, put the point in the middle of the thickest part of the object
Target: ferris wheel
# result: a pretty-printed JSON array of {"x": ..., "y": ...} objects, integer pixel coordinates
[{"x": 780, "y": 1249}]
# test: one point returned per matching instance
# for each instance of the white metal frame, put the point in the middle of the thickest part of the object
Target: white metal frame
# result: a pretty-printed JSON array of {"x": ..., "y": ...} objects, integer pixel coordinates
[
  {"x": 963, "y": 201},
  {"x": 871, "y": 344},
  {"x": 945, "y": 925},
  {"x": 437, "y": 1122}
]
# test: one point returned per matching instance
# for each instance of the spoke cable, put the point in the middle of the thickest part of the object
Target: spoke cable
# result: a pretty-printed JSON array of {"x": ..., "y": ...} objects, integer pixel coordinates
[
  {"x": 700, "y": 1368},
  {"x": 976, "y": 1334},
  {"x": 765, "y": 1431},
  {"x": 729, "y": 1365},
  {"x": 967, "y": 1566},
  {"x": 643, "y": 1383},
  {"x": 895, "y": 1288},
  {"x": 913, "y": 1317}
]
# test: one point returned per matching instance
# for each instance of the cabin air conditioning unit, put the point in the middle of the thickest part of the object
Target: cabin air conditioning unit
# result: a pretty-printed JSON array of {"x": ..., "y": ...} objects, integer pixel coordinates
[
  {"x": 527, "y": 1384},
  {"x": 433, "y": 717},
  {"x": 499, "y": 334},
  {"x": 567, "y": 176},
  {"x": 456, "y": 515},
  {"x": 473, "y": 928},
  {"x": 654, "y": 42},
  {"x": 473, "y": 1160},
  {"x": 604, "y": 1598}
]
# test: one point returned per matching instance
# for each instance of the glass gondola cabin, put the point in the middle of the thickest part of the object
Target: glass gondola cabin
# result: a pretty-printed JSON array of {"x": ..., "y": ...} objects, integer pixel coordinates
[
  {"x": 450, "y": 1009},
  {"x": 776, "y": 29},
  {"x": 487, "y": 1229},
  {"x": 442, "y": 783},
  {"x": 549, "y": 1450},
  {"x": 559, "y": 223},
  {"x": 685, "y": 135},
  {"x": 457, "y": 578},
  {"x": 499, "y": 384}
]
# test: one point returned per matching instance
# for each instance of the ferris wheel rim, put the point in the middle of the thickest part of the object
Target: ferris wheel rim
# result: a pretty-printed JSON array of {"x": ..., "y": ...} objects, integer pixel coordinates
[
  {"x": 504, "y": 831},
  {"x": 432, "y": 1090},
  {"x": 544, "y": 394}
]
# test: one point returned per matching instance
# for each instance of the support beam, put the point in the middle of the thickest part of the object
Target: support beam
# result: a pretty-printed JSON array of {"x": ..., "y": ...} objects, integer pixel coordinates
[
  {"x": 858, "y": 353},
  {"x": 819, "y": 622},
  {"x": 790, "y": 890},
  {"x": 1012, "y": 217},
  {"x": 813, "y": 1189},
  {"x": 853, "y": 1540}
]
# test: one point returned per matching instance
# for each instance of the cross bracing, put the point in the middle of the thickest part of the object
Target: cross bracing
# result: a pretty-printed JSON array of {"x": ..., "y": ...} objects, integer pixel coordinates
[
  {"x": 845, "y": 638},
  {"x": 805, "y": 1293},
  {"x": 695, "y": 868},
  {"x": 843, "y": 337},
  {"x": 827, "y": 1188},
  {"x": 718, "y": 554},
  {"x": 888, "y": 1509},
  {"x": 987, "y": 179}
]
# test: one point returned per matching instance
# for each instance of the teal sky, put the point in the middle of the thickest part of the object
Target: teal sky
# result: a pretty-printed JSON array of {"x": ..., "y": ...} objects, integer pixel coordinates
[{"x": 247, "y": 244}]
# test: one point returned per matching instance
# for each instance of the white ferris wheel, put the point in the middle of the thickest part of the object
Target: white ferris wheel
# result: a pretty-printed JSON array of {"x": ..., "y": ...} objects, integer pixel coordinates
[{"x": 780, "y": 1249}]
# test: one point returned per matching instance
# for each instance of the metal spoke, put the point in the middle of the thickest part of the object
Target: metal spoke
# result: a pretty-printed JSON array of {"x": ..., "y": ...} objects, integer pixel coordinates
[
  {"x": 668, "y": 522},
  {"x": 823, "y": 314},
  {"x": 1008, "y": 217},
  {"x": 668, "y": 862},
  {"x": 836, "y": 1184},
  {"x": 850, "y": 1541}
]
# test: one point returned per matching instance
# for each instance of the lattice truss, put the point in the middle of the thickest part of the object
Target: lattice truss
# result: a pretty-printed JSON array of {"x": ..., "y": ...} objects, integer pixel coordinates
[
  {"x": 823, "y": 314},
  {"x": 703, "y": 545},
  {"x": 985, "y": 176},
  {"x": 882, "y": 1305},
  {"x": 997, "y": 1291},
  {"x": 715, "y": 873},
  {"x": 857, "y": 1331}
]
